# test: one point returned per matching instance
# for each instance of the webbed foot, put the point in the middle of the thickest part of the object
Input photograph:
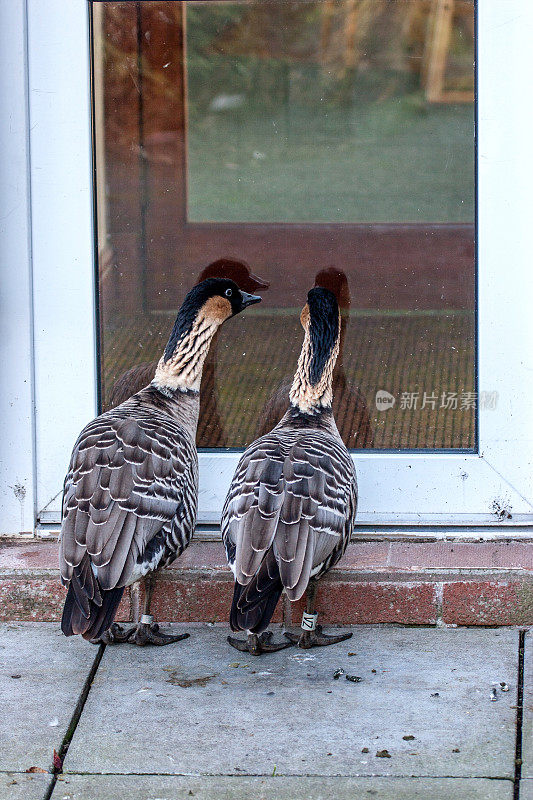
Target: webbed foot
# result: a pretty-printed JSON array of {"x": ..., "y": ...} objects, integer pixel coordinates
[
  {"x": 150, "y": 634},
  {"x": 115, "y": 634},
  {"x": 256, "y": 644},
  {"x": 141, "y": 634},
  {"x": 308, "y": 639}
]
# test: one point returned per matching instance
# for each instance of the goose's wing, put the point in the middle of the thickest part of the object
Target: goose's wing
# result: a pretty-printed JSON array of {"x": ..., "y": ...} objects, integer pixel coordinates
[
  {"x": 298, "y": 498},
  {"x": 318, "y": 511},
  {"x": 127, "y": 486},
  {"x": 251, "y": 511}
]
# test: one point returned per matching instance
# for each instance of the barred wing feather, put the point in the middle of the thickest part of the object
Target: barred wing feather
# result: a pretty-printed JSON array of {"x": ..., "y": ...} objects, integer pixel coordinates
[
  {"x": 294, "y": 492},
  {"x": 131, "y": 479}
]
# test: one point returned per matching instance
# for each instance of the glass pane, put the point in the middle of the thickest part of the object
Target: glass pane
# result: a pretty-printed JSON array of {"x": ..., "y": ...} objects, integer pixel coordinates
[
  {"x": 313, "y": 112},
  {"x": 288, "y": 144}
]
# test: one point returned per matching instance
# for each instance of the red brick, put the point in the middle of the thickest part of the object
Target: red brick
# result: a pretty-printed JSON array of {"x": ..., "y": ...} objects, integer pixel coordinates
[
  {"x": 363, "y": 555},
  {"x": 388, "y": 582},
  {"x": 31, "y": 599},
  {"x": 488, "y": 603},
  {"x": 356, "y": 603},
  {"x": 461, "y": 555},
  {"x": 190, "y": 598},
  {"x": 30, "y": 555},
  {"x": 124, "y": 610},
  {"x": 34, "y": 599},
  {"x": 202, "y": 555},
  {"x": 43, "y": 555},
  {"x": 178, "y": 598}
]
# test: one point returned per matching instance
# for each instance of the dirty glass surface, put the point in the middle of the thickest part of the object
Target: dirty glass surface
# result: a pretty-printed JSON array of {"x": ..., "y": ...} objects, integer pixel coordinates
[{"x": 286, "y": 145}]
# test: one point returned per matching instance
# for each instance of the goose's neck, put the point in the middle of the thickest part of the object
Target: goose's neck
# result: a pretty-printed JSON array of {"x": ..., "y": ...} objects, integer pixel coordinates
[
  {"x": 182, "y": 371},
  {"x": 307, "y": 395}
]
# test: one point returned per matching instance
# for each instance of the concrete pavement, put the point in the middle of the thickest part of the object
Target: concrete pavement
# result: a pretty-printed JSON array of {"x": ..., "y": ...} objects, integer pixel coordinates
[
  {"x": 41, "y": 682},
  {"x": 199, "y": 719},
  {"x": 143, "y": 787}
]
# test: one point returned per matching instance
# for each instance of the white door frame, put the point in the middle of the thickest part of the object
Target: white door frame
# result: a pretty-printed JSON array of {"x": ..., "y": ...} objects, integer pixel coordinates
[
  {"x": 62, "y": 237},
  {"x": 17, "y": 467},
  {"x": 402, "y": 489}
]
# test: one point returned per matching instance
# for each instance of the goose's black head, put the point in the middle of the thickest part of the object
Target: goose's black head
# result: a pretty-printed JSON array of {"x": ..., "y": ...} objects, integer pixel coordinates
[
  {"x": 320, "y": 316},
  {"x": 215, "y": 300}
]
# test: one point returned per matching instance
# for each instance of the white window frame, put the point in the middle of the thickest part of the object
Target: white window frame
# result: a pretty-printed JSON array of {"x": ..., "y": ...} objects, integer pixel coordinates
[{"x": 400, "y": 491}]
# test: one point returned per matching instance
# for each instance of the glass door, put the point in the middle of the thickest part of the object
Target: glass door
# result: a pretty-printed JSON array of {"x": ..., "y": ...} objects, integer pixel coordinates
[{"x": 292, "y": 144}]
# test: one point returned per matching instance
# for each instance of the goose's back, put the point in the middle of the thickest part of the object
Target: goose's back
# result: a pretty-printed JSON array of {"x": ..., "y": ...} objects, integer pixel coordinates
[
  {"x": 294, "y": 491},
  {"x": 130, "y": 495}
]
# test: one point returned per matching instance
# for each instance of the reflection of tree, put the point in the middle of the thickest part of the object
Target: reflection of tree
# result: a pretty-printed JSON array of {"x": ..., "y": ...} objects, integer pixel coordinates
[
  {"x": 255, "y": 48},
  {"x": 248, "y": 46}
]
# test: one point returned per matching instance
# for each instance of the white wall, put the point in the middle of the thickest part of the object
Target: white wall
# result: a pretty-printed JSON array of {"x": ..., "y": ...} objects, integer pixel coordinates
[{"x": 17, "y": 489}]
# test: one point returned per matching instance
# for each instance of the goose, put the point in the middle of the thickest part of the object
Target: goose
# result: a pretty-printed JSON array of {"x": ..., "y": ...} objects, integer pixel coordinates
[
  {"x": 210, "y": 431},
  {"x": 291, "y": 506},
  {"x": 130, "y": 494}
]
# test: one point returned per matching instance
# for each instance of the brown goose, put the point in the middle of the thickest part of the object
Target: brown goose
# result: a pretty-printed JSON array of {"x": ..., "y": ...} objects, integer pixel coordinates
[
  {"x": 349, "y": 405},
  {"x": 291, "y": 505},
  {"x": 130, "y": 495},
  {"x": 210, "y": 431}
]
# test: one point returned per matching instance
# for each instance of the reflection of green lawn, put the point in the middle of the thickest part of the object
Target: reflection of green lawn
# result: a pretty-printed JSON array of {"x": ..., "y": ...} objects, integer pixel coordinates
[{"x": 390, "y": 161}]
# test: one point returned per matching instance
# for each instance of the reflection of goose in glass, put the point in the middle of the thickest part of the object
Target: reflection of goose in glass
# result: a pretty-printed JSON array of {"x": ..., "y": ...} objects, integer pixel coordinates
[
  {"x": 349, "y": 405},
  {"x": 210, "y": 426}
]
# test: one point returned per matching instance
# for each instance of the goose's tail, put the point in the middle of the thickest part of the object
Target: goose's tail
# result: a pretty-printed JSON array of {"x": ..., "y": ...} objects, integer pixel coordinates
[
  {"x": 253, "y": 605},
  {"x": 88, "y": 610}
]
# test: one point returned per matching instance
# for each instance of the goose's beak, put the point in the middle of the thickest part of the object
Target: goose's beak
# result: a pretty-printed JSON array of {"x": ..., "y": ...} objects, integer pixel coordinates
[{"x": 249, "y": 299}]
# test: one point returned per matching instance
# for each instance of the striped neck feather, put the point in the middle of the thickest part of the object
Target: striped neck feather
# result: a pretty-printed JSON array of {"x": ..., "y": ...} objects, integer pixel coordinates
[
  {"x": 311, "y": 390},
  {"x": 182, "y": 371}
]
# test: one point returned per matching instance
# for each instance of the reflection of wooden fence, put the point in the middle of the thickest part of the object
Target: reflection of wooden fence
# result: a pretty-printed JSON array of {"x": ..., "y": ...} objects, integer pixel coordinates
[
  {"x": 356, "y": 18},
  {"x": 437, "y": 45},
  {"x": 425, "y": 25}
]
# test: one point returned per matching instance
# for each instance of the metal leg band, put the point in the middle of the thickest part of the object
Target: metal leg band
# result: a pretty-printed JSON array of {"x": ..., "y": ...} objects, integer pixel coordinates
[{"x": 146, "y": 619}]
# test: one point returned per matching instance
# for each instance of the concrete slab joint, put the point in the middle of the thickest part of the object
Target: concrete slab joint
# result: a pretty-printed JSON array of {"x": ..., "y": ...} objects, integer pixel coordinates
[{"x": 284, "y": 727}]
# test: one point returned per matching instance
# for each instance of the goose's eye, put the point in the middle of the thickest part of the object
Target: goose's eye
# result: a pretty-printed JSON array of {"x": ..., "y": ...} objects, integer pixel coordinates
[{"x": 228, "y": 292}]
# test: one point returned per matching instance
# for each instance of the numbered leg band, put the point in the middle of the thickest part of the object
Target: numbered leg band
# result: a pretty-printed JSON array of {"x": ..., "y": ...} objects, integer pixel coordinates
[
  {"x": 309, "y": 621},
  {"x": 146, "y": 619}
]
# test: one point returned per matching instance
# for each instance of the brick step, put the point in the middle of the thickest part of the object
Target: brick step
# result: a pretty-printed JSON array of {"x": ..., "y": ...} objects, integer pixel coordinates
[{"x": 407, "y": 583}]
